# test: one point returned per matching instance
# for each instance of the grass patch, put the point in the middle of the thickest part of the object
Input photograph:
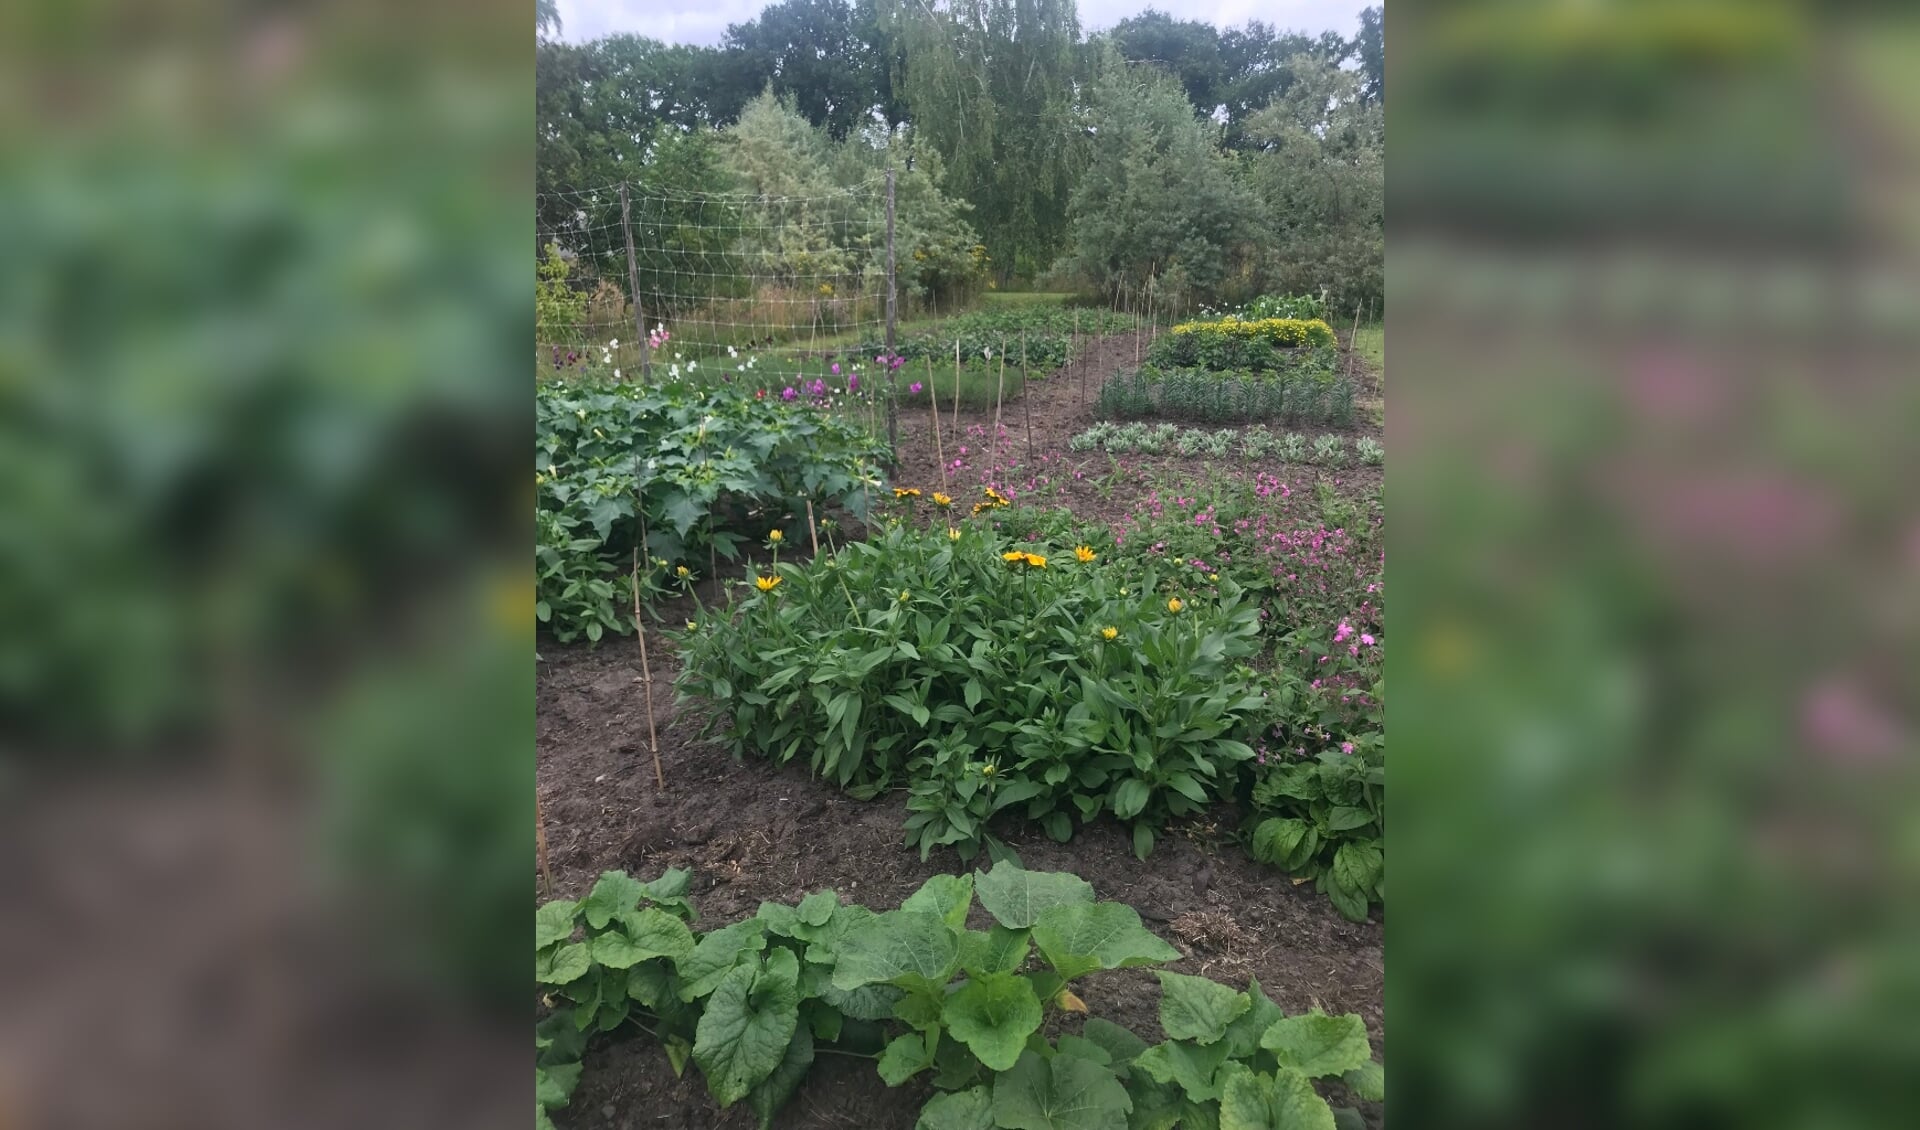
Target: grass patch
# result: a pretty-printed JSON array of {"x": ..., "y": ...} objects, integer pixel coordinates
[{"x": 1371, "y": 343}]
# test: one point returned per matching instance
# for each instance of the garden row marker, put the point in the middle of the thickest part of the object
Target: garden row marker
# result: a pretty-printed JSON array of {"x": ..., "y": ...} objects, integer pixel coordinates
[
  {"x": 933, "y": 405},
  {"x": 633, "y": 288},
  {"x": 813, "y": 528},
  {"x": 1073, "y": 347},
  {"x": 1026, "y": 395},
  {"x": 956, "y": 388},
  {"x": 646, "y": 669},
  {"x": 540, "y": 845},
  {"x": 1352, "y": 339},
  {"x": 993, "y": 459},
  {"x": 893, "y": 379}
]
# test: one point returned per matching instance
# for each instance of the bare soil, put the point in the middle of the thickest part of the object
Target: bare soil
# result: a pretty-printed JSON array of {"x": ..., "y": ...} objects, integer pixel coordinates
[{"x": 751, "y": 832}]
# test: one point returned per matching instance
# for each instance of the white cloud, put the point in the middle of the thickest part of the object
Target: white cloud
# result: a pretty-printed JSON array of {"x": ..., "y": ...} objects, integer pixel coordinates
[{"x": 705, "y": 21}]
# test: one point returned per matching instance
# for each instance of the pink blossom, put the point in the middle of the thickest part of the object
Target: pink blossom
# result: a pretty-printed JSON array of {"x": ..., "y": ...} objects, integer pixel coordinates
[
  {"x": 1346, "y": 747},
  {"x": 1366, "y": 638},
  {"x": 1342, "y": 632}
]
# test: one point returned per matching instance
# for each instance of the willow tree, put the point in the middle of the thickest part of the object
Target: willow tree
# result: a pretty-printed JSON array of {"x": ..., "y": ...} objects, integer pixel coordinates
[{"x": 990, "y": 85}]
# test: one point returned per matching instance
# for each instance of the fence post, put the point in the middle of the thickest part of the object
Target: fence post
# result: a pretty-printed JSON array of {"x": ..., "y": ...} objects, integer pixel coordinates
[
  {"x": 633, "y": 289},
  {"x": 893, "y": 379}
]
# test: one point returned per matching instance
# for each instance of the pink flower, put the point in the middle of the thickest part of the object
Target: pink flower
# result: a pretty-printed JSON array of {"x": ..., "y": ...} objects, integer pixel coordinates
[
  {"x": 1342, "y": 632},
  {"x": 836, "y": 368},
  {"x": 1366, "y": 638},
  {"x": 914, "y": 388},
  {"x": 1346, "y": 747}
]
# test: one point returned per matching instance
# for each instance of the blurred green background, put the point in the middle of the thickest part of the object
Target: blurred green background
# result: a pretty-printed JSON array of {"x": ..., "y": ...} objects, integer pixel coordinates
[
  {"x": 265, "y": 686},
  {"x": 1652, "y": 268}
]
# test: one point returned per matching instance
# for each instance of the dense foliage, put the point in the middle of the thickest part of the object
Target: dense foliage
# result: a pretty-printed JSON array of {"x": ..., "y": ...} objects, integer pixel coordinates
[
  {"x": 1257, "y": 442},
  {"x": 1235, "y": 343},
  {"x": 751, "y": 1004},
  {"x": 985, "y": 676},
  {"x": 689, "y": 471},
  {"x": 1312, "y": 393}
]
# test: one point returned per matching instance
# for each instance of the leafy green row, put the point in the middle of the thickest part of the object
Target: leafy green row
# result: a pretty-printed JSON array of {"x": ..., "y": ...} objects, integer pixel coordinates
[
  {"x": 1255, "y": 443},
  {"x": 985, "y": 678},
  {"x": 1308, "y": 394},
  {"x": 750, "y": 1004},
  {"x": 1232, "y": 343},
  {"x": 702, "y": 466}
]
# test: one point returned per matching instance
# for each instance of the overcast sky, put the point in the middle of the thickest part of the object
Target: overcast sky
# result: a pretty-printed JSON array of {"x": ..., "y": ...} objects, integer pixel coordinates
[{"x": 705, "y": 21}]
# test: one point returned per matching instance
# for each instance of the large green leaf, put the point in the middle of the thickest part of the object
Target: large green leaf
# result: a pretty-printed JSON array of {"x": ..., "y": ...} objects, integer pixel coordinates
[
  {"x": 1079, "y": 938},
  {"x": 615, "y": 894},
  {"x": 1357, "y": 865},
  {"x": 554, "y": 923},
  {"x": 748, "y": 1023},
  {"x": 949, "y": 896},
  {"x": 1123, "y": 1046},
  {"x": 998, "y": 950},
  {"x": 1189, "y": 1066},
  {"x": 643, "y": 934},
  {"x": 716, "y": 954},
  {"x": 1064, "y": 1093},
  {"x": 1243, "y": 1035},
  {"x": 909, "y": 948},
  {"x": 1017, "y": 897},
  {"x": 993, "y": 1014},
  {"x": 964, "y": 1110},
  {"x": 553, "y": 1084},
  {"x": 1318, "y": 1045},
  {"x": 816, "y": 908},
  {"x": 567, "y": 964},
  {"x": 1368, "y": 1081},
  {"x": 1194, "y": 1008},
  {"x": 1265, "y": 1102},
  {"x": 868, "y": 1002},
  {"x": 772, "y": 1093}
]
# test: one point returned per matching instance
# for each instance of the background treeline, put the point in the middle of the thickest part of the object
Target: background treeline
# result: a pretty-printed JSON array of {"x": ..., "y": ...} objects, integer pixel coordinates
[{"x": 1218, "y": 164}]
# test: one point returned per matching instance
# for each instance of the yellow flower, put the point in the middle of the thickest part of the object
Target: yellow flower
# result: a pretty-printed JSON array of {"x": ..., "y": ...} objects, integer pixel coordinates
[
  {"x": 903, "y": 596},
  {"x": 1109, "y": 633},
  {"x": 941, "y": 500},
  {"x": 989, "y": 769},
  {"x": 774, "y": 536},
  {"x": 982, "y": 507},
  {"x": 905, "y": 492},
  {"x": 1174, "y": 604},
  {"x": 1084, "y": 553},
  {"x": 1213, "y": 577},
  {"x": 1015, "y": 556},
  {"x": 766, "y": 584},
  {"x": 692, "y": 627},
  {"x": 682, "y": 571},
  {"x": 953, "y": 534}
]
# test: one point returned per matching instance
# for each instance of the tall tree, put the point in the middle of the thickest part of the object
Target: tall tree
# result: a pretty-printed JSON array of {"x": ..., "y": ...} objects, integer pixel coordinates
[
  {"x": 1187, "y": 49},
  {"x": 1370, "y": 47},
  {"x": 991, "y": 86},
  {"x": 827, "y": 57}
]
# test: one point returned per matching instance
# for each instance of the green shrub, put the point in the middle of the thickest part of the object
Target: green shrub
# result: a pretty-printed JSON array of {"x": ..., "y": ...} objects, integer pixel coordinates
[
  {"x": 751, "y": 1004},
  {"x": 1231, "y": 343},
  {"x": 701, "y": 466},
  {"x": 1308, "y": 395},
  {"x": 983, "y": 678}
]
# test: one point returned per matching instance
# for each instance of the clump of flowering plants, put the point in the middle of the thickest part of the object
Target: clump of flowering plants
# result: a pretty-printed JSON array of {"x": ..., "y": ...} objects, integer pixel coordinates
[{"x": 986, "y": 676}]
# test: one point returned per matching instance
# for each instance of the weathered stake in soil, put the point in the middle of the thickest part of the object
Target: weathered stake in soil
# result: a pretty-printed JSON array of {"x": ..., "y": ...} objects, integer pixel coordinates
[
  {"x": 540, "y": 845},
  {"x": 813, "y": 529},
  {"x": 1026, "y": 402},
  {"x": 1352, "y": 339},
  {"x": 956, "y": 386},
  {"x": 646, "y": 669},
  {"x": 999, "y": 395},
  {"x": 933, "y": 406}
]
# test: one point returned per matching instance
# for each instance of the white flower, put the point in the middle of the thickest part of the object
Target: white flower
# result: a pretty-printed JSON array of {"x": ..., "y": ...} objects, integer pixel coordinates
[
  {"x": 987, "y": 353},
  {"x": 659, "y": 327},
  {"x": 673, "y": 370},
  {"x": 616, "y": 374},
  {"x": 692, "y": 365},
  {"x": 731, "y": 352},
  {"x": 614, "y": 344},
  {"x": 676, "y": 357}
]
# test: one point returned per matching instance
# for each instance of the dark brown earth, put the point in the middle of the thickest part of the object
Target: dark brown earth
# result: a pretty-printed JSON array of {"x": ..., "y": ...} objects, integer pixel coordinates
[{"x": 750, "y": 833}]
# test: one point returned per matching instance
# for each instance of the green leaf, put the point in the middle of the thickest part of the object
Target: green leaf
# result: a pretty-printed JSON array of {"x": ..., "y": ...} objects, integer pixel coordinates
[
  {"x": 670, "y": 890},
  {"x": 1345, "y": 818},
  {"x": 643, "y": 934},
  {"x": 909, "y": 948},
  {"x": 1064, "y": 1093},
  {"x": 1017, "y": 897},
  {"x": 1130, "y": 798},
  {"x": 554, "y": 923},
  {"x": 904, "y": 1057},
  {"x": 1264, "y": 1102},
  {"x": 1274, "y": 840},
  {"x": 993, "y": 1015},
  {"x": 921, "y": 1009},
  {"x": 1243, "y": 1035},
  {"x": 869, "y": 1002},
  {"x": 615, "y": 894},
  {"x": 772, "y": 1093},
  {"x": 651, "y": 983},
  {"x": 1357, "y": 865},
  {"x": 568, "y": 964},
  {"x": 948, "y": 896},
  {"x": 817, "y": 908},
  {"x": 553, "y": 1084},
  {"x": 1194, "y": 1008},
  {"x": 1121, "y": 1045},
  {"x": 998, "y": 950},
  {"x": 716, "y": 954},
  {"x": 1083, "y": 1048},
  {"x": 1190, "y": 1066},
  {"x": 1142, "y": 841},
  {"x": 748, "y": 1023},
  {"x": 678, "y": 1051},
  {"x": 1368, "y": 1081},
  {"x": 964, "y": 1110},
  {"x": 1078, "y": 939},
  {"x": 1317, "y": 1045}
]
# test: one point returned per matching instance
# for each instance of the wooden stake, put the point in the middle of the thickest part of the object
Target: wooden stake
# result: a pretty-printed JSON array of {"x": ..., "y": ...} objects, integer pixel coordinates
[
  {"x": 540, "y": 846},
  {"x": 1352, "y": 338},
  {"x": 993, "y": 460},
  {"x": 646, "y": 669},
  {"x": 1073, "y": 347},
  {"x": 933, "y": 406},
  {"x": 813, "y": 528},
  {"x": 956, "y": 388}
]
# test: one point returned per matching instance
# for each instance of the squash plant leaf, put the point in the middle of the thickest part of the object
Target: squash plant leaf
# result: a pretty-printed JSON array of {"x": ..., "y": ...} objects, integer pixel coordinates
[
  {"x": 748, "y": 1023},
  {"x": 993, "y": 1015},
  {"x": 948, "y": 896},
  {"x": 1243, "y": 1035},
  {"x": 1065, "y": 1093},
  {"x": 554, "y": 923},
  {"x": 909, "y": 948},
  {"x": 1016, "y": 898},
  {"x": 643, "y": 934},
  {"x": 1317, "y": 1045},
  {"x": 1123, "y": 1046},
  {"x": 772, "y": 1093},
  {"x": 1081, "y": 938},
  {"x": 1368, "y": 1081},
  {"x": 904, "y": 1057},
  {"x": 1266, "y": 1102},
  {"x": 615, "y": 894},
  {"x": 1194, "y": 1008},
  {"x": 963, "y": 1110},
  {"x": 717, "y": 954},
  {"x": 1189, "y": 1066},
  {"x": 999, "y": 950}
]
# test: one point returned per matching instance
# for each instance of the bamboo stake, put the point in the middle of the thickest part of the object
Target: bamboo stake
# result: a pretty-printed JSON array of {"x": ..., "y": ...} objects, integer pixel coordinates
[
  {"x": 646, "y": 668},
  {"x": 933, "y": 406},
  {"x": 813, "y": 528},
  {"x": 956, "y": 388},
  {"x": 1026, "y": 394},
  {"x": 540, "y": 845},
  {"x": 1073, "y": 347},
  {"x": 1351, "y": 338},
  {"x": 999, "y": 395}
]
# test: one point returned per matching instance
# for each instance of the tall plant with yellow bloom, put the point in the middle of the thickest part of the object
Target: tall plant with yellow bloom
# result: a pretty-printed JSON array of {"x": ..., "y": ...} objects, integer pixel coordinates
[{"x": 1084, "y": 554}]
